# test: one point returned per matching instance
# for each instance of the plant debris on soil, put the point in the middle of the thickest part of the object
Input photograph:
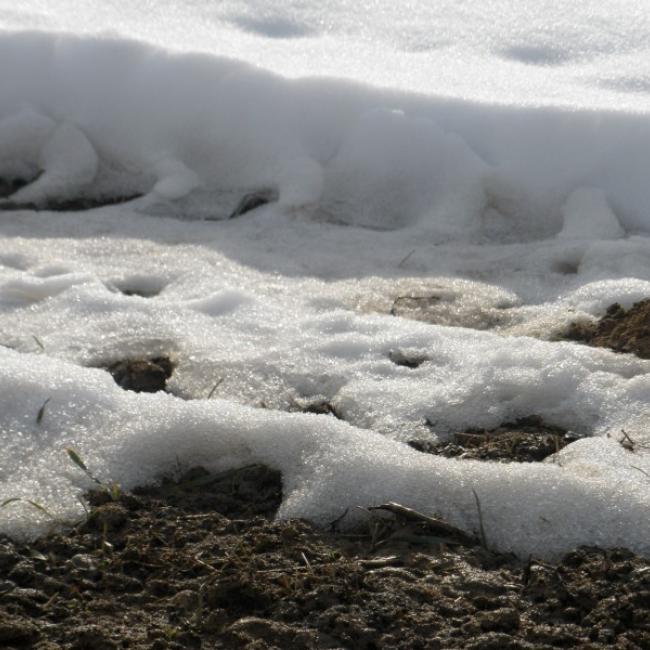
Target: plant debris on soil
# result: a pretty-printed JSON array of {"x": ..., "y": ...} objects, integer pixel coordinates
[
  {"x": 619, "y": 329},
  {"x": 527, "y": 440},
  {"x": 142, "y": 375},
  {"x": 198, "y": 562}
]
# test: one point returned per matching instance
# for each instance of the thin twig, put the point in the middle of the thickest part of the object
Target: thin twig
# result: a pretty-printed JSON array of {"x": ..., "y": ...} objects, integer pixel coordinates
[
  {"x": 434, "y": 524},
  {"x": 214, "y": 388},
  {"x": 406, "y": 258}
]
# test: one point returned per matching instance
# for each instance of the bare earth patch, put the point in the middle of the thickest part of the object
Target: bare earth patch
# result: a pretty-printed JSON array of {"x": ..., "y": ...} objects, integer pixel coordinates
[
  {"x": 198, "y": 562},
  {"x": 619, "y": 329},
  {"x": 526, "y": 440}
]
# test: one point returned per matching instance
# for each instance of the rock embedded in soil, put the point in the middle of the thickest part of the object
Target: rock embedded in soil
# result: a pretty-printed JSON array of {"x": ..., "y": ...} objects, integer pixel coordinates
[{"x": 619, "y": 329}]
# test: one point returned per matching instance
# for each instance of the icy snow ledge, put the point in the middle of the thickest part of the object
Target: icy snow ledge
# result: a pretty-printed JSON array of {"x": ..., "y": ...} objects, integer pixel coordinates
[
  {"x": 326, "y": 465},
  {"x": 195, "y": 133}
]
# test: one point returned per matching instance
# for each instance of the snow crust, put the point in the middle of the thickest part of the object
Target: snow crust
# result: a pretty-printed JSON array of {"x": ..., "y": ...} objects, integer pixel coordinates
[
  {"x": 591, "y": 54},
  {"x": 518, "y": 219}
]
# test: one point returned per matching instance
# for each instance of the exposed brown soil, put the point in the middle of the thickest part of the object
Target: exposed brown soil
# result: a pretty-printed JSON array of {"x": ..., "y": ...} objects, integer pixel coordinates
[
  {"x": 199, "y": 563},
  {"x": 619, "y": 329},
  {"x": 142, "y": 375},
  {"x": 526, "y": 440}
]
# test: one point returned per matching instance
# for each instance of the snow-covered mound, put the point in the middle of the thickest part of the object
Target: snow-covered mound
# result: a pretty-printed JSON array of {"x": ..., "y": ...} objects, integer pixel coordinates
[
  {"x": 195, "y": 133},
  {"x": 511, "y": 220}
]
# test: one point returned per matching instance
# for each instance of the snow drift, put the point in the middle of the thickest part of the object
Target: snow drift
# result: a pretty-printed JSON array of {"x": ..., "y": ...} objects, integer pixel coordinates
[{"x": 107, "y": 117}]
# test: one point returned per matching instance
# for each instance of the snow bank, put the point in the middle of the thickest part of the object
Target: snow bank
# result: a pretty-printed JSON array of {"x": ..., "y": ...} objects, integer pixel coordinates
[
  {"x": 326, "y": 465},
  {"x": 108, "y": 117}
]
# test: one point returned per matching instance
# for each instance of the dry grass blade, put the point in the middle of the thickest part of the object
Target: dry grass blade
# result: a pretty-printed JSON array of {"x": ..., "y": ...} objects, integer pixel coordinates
[
  {"x": 34, "y": 504},
  {"x": 405, "y": 259},
  {"x": 638, "y": 469},
  {"x": 41, "y": 411},
  {"x": 480, "y": 519},
  {"x": 76, "y": 459},
  {"x": 214, "y": 388}
]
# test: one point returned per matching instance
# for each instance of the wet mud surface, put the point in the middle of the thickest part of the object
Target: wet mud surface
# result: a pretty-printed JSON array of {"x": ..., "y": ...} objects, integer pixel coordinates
[{"x": 198, "y": 562}]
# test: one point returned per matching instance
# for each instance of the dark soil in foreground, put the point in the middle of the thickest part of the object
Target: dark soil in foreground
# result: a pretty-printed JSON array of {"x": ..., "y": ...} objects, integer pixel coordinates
[
  {"x": 199, "y": 563},
  {"x": 619, "y": 329}
]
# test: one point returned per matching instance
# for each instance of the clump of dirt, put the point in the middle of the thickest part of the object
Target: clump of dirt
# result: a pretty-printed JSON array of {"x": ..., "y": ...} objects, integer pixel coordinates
[
  {"x": 527, "y": 440},
  {"x": 619, "y": 329},
  {"x": 142, "y": 375},
  {"x": 197, "y": 562}
]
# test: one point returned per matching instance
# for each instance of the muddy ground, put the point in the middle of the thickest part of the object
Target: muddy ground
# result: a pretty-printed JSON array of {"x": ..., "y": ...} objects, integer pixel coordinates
[{"x": 198, "y": 562}]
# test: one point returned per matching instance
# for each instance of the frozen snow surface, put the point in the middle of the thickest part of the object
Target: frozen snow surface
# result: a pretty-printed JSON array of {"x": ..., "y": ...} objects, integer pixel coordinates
[{"x": 494, "y": 156}]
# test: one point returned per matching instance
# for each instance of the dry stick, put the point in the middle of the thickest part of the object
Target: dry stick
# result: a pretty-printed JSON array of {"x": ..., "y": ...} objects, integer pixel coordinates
[
  {"x": 435, "y": 524},
  {"x": 631, "y": 444},
  {"x": 380, "y": 562},
  {"x": 306, "y": 561},
  {"x": 480, "y": 519}
]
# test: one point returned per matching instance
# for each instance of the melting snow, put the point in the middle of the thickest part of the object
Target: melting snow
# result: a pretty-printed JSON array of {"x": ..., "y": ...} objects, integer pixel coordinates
[{"x": 511, "y": 217}]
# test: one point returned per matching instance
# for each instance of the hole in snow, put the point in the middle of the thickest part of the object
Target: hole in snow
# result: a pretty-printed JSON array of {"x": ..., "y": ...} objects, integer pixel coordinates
[
  {"x": 526, "y": 440},
  {"x": 316, "y": 404},
  {"x": 145, "y": 286},
  {"x": 272, "y": 27},
  {"x": 407, "y": 359},
  {"x": 537, "y": 55},
  {"x": 565, "y": 267},
  {"x": 142, "y": 375},
  {"x": 252, "y": 201}
]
